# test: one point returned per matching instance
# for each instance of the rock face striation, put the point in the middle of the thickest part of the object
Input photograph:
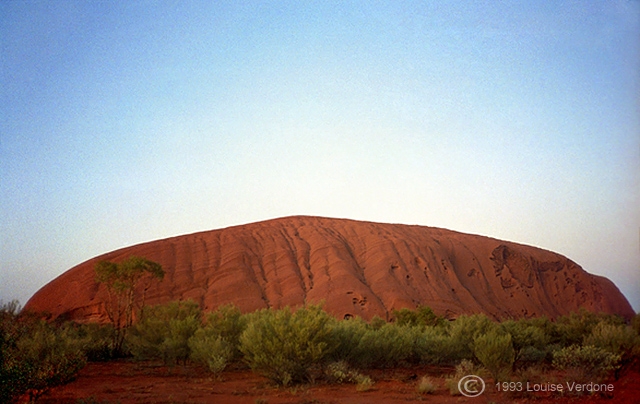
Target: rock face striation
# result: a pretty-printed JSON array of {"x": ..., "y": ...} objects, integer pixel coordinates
[{"x": 357, "y": 269}]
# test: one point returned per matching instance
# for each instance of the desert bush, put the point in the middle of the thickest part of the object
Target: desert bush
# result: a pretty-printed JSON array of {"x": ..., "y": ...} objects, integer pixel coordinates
[
  {"x": 284, "y": 346},
  {"x": 364, "y": 383},
  {"x": 218, "y": 342},
  {"x": 635, "y": 323},
  {"x": 95, "y": 340},
  {"x": 462, "y": 333},
  {"x": 34, "y": 355},
  {"x": 346, "y": 335},
  {"x": 426, "y": 385},
  {"x": 423, "y": 316},
  {"x": 164, "y": 332},
  {"x": 340, "y": 372},
  {"x": 585, "y": 363},
  {"x": 406, "y": 317},
  {"x": 531, "y": 356},
  {"x": 13, "y": 373},
  {"x": 496, "y": 353},
  {"x": 388, "y": 346},
  {"x": 545, "y": 325},
  {"x": 49, "y": 357},
  {"x": 376, "y": 322},
  {"x": 617, "y": 339},
  {"x": 228, "y": 323},
  {"x": 211, "y": 349},
  {"x": 464, "y": 368},
  {"x": 436, "y": 347},
  {"x": 528, "y": 341},
  {"x": 571, "y": 329}
]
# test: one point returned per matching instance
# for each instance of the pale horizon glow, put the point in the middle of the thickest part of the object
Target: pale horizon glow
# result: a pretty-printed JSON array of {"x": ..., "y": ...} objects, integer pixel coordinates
[{"x": 126, "y": 122}]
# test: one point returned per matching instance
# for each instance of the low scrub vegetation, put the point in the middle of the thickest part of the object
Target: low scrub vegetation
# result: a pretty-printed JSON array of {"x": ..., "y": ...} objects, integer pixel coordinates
[
  {"x": 291, "y": 346},
  {"x": 284, "y": 345},
  {"x": 464, "y": 368},
  {"x": 586, "y": 363},
  {"x": 426, "y": 385},
  {"x": 164, "y": 332},
  {"x": 36, "y": 355},
  {"x": 495, "y": 351}
]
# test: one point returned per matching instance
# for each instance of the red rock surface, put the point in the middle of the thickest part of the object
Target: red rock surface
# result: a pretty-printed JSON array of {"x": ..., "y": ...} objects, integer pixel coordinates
[{"x": 357, "y": 268}]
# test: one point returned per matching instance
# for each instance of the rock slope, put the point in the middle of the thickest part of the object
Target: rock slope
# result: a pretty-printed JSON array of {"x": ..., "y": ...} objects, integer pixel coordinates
[{"x": 357, "y": 269}]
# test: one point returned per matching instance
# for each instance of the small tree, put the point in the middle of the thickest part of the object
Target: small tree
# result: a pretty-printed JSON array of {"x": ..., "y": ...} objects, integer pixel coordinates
[{"x": 122, "y": 280}]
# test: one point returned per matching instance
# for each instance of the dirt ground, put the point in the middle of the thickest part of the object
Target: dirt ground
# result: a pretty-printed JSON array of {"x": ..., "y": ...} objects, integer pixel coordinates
[{"x": 144, "y": 382}]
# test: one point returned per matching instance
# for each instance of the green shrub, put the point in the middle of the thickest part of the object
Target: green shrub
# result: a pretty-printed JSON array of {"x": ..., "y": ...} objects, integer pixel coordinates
[
  {"x": 364, "y": 383},
  {"x": 585, "y": 363},
  {"x": 406, "y": 317},
  {"x": 423, "y": 316},
  {"x": 376, "y": 322},
  {"x": 635, "y": 323},
  {"x": 13, "y": 373},
  {"x": 284, "y": 346},
  {"x": 388, "y": 346},
  {"x": 218, "y": 342},
  {"x": 228, "y": 323},
  {"x": 46, "y": 357},
  {"x": 95, "y": 340},
  {"x": 463, "y": 331},
  {"x": 426, "y": 386},
  {"x": 531, "y": 356},
  {"x": 528, "y": 341},
  {"x": 464, "y": 368},
  {"x": 340, "y": 372},
  {"x": 617, "y": 339},
  {"x": 212, "y": 350},
  {"x": 164, "y": 332},
  {"x": 572, "y": 328},
  {"x": 436, "y": 347},
  {"x": 496, "y": 353},
  {"x": 346, "y": 335},
  {"x": 34, "y": 355}
]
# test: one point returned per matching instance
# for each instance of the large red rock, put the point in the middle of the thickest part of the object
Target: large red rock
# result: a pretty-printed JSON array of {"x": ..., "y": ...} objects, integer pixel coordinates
[{"x": 356, "y": 268}]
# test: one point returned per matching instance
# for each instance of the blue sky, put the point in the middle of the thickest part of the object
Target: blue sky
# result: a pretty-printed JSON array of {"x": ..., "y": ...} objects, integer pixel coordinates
[{"x": 124, "y": 122}]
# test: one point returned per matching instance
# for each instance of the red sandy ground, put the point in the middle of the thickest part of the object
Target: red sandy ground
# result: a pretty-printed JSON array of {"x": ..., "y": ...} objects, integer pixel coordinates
[{"x": 143, "y": 382}]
